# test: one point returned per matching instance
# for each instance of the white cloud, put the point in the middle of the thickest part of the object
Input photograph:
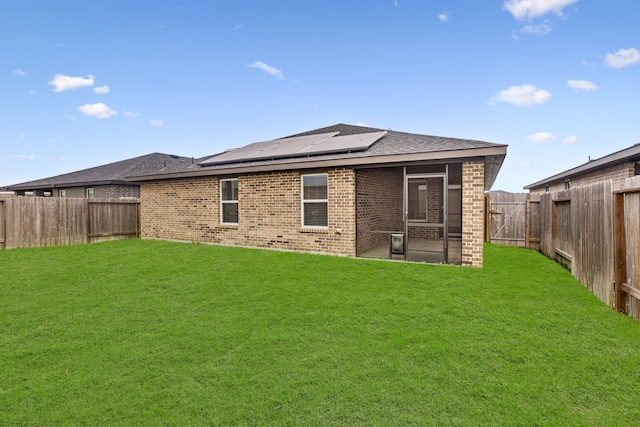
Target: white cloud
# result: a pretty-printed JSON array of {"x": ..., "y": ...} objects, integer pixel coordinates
[
  {"x": 528, "y": 9},
  {"x": 19, "y": 72},
  {"x": 521, "y": 96},
  {"x": 622, "y": 58},
  {"x": 21, "y": 135},
  {"x": 537, "y": 30},
  {"x": 99, "y": 110},
  {"x": 582, "y": 85},
  {"x": 21, "y": 156},
  {"x": 70, "y": 117},
  {"x": 570, "y": 140},
  {"x": 267, "y": 69},
  {"x": 541, "y": 137},
  {"x": 156, "y": 123},
  {"x": 101, "y": 90},
  {"x": 367, "y": 125},
  {"x": 444, "y": 17},
  {"x": 130, "y": 114},
  {"x": 63, "y": 83}
]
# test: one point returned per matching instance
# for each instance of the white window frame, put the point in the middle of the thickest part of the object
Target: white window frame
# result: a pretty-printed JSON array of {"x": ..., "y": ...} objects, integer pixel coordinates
[
  {"x": 303, "y": 200},
  {"x": 90, "y": 192},
  {"x": 223, "y": 202}
]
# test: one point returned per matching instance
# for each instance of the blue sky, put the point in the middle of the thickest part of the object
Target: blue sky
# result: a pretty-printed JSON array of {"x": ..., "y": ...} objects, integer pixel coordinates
[{"x": 84, "y": 83}]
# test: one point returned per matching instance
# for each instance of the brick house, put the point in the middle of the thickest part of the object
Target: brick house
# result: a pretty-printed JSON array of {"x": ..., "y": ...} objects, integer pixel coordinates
[
  {"x": 101, "y": 182},
  {"x": 616, "y": 167},
  {"x": 345, "y": 190}
]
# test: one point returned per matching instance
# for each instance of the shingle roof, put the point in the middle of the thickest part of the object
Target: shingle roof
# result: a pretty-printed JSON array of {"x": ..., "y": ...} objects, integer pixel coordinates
[
  {"x": 112, "y": 173},
  {"x": 393, "y": 147},
  {"x": 626, "y": 155}
]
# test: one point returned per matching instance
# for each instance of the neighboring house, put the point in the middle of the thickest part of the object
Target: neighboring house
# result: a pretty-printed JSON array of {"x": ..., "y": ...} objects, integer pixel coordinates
[
  {"x": 102, "y": 182},
  {"x": 616, "y": 167},
  {"x": 345, "y": 190}
]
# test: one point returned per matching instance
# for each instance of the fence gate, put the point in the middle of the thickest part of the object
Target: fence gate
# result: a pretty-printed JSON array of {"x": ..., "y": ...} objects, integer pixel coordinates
[{"x": 507, "y": 218}]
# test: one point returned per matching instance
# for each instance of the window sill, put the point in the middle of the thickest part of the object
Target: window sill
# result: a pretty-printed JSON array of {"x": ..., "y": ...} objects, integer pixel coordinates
[{"x": 312, "y": 230}]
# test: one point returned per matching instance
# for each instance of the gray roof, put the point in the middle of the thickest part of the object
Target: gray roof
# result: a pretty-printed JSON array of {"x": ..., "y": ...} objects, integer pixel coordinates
[
  {"x": 393, "y": 148},
  {"x": 631, "y": 154},
  {"x": 112, "y": 173}
]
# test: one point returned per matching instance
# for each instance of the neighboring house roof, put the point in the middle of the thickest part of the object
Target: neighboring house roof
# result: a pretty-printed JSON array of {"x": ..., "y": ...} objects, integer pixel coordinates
[
  {"x": 631, "y": 154},
  {"x": 109, "y": 174},
  {"x": 391, "y": 148}
]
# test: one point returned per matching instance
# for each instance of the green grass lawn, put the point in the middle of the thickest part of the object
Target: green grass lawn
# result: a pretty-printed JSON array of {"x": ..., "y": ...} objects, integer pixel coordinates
[{"x": 148, "y": 333}]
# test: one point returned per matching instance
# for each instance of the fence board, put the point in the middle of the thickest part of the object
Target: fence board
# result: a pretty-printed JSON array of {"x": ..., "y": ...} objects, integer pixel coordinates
[
  {"x": 112, "y": 220},
  {"x": 593, "y": 239},
  {"x": 632, "y": 231},
  {"x": 59, "y": 221}
]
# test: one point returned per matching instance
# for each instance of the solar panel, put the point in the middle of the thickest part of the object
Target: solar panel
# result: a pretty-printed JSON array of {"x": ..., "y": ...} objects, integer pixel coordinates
[{"x": 298, "y": 146}]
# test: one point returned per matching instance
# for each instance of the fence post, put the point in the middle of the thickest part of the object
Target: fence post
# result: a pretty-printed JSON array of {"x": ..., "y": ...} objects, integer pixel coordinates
[
  {"x": 527, "y": 225},
  {"x": 554, "y": 229},
  {"x": 88, "y": 219},
  {"x": 3, "y": 223},
  {"x": 620, "y": 251}
]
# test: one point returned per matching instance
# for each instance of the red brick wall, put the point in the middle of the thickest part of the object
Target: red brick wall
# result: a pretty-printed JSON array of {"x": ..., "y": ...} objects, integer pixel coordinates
[
  {"x": 472, "y": 213},
  {"x": 378, "y": 205},
  {"x": 269, "y": 212}
]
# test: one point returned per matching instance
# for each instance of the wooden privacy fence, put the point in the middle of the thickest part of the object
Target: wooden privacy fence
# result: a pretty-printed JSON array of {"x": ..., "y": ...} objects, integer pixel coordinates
[
  {"x": 592, "y": 230},
  {"x": 57, "y": 221}
]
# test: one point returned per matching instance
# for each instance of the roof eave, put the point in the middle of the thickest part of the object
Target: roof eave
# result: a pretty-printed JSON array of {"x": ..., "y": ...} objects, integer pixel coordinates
[
  {"x": 623, "y": 156},
  {"x": 497, "y": 152},
  {"x": 21, "y": 187}
]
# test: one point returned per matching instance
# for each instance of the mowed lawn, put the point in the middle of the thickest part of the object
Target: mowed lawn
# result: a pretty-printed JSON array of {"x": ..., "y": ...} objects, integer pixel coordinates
[{"x": 158, "y": 333}]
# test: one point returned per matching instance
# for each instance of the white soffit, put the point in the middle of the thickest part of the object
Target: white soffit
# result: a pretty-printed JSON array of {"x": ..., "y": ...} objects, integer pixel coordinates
[{"x": 299, "y": 146}]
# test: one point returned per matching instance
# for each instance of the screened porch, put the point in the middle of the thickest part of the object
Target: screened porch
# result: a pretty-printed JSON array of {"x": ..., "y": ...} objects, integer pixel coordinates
[{"x": 411, "y": 213}]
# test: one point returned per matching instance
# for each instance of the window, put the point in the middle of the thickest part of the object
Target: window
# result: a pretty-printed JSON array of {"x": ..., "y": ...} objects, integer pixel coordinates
[
  {"x": 90, "y": 193},
  {"x": 229, "y": 201},
  {"x": 62, "y": 193},
  {"x": 567, "y": 184},
  {"x": 315, "y": 202}
]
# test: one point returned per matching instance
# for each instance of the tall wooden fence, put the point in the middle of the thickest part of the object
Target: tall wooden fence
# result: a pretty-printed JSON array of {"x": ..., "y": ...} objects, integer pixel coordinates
[
  {"x": 592, "y": 230},
  {"x": 57, "y": 221}
]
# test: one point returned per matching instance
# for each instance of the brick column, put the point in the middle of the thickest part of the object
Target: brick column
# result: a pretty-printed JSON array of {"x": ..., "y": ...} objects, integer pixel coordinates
[{"x": 472, "y": 213}]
